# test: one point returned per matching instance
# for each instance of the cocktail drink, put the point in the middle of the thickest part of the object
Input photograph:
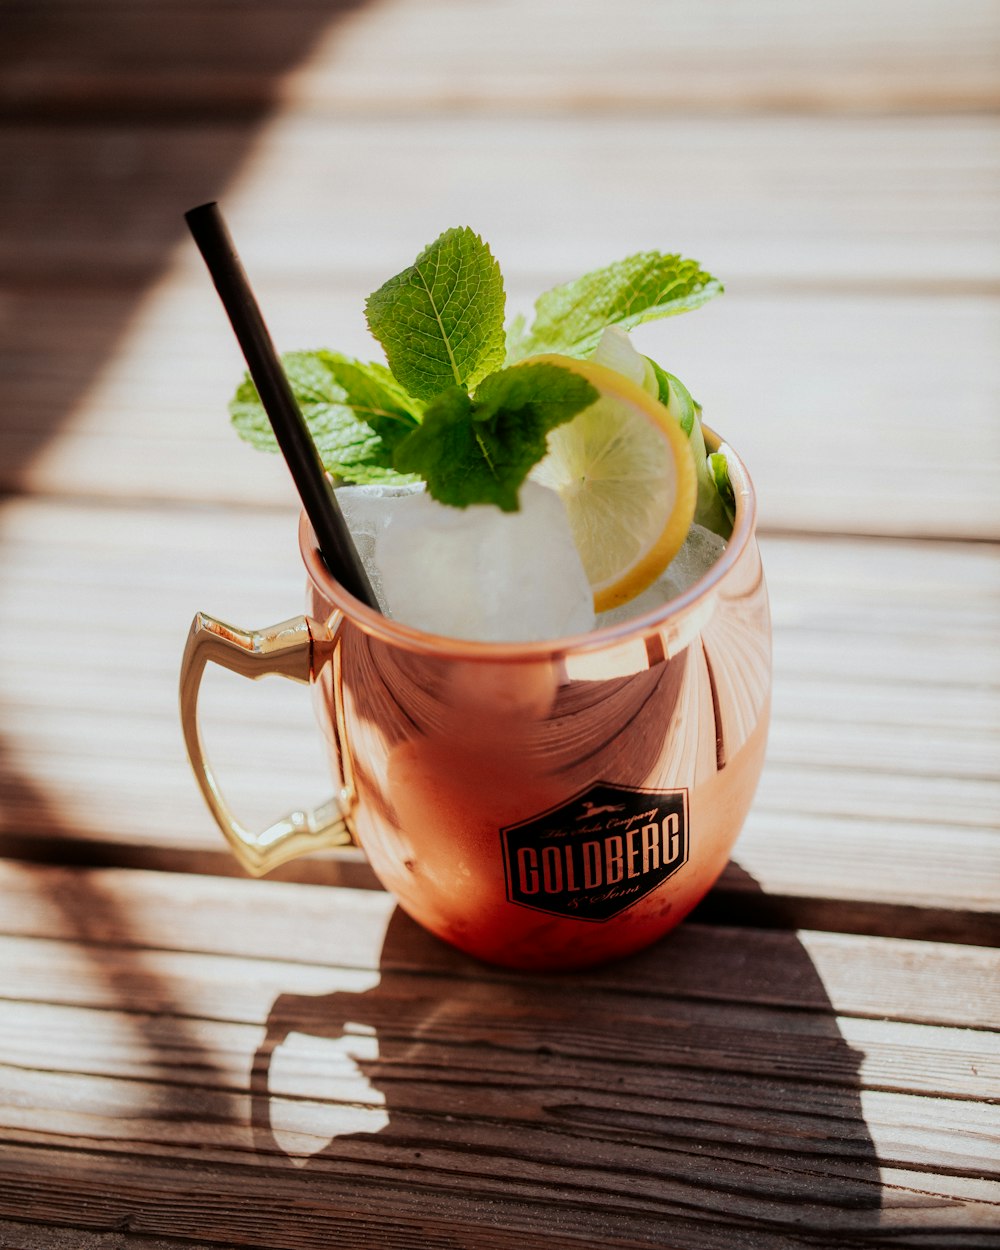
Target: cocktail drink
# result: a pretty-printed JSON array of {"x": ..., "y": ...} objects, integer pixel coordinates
[{"x": 547, "y": 740}]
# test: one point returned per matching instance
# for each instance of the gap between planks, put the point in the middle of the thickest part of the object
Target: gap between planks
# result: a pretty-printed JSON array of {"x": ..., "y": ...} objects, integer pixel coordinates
[{"x": 322, "y": 927}]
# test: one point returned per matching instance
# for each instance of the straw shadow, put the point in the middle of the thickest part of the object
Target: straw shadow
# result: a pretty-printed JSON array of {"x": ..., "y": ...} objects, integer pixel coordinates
[{"x": 672, "y": 1090}]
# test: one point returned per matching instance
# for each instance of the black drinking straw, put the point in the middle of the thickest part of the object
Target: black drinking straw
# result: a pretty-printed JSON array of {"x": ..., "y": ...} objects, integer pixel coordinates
[{"x": 315, "y": 489}]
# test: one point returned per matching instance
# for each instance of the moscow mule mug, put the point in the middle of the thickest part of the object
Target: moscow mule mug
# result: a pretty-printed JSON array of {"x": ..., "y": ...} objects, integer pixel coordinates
[{"x": 542, "y": 805}]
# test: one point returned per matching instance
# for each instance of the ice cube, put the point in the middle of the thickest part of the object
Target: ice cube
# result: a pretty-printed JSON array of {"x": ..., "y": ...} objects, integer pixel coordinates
[
  {"x": 367, "y": 511},
  {"x": 700, "y": 550},
  {"x": 475, "y": 573}
]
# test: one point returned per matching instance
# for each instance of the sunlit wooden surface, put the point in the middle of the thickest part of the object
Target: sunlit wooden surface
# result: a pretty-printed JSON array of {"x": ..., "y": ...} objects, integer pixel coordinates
[{"x": 192, "y": 1059}]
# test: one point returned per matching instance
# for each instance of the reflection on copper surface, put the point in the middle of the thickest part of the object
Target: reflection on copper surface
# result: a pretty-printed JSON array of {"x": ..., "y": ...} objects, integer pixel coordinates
[
  {"x": 447, "y": 743},
  {"x": 737, "y": 645}
]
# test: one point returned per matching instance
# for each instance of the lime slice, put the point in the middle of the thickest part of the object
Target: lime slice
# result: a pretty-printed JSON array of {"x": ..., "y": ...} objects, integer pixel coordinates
[{"x": 625, "y": 473}]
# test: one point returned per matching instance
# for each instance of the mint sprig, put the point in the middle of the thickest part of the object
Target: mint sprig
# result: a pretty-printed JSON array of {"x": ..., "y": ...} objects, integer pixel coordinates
[
  {"x": 446, "y": 409},
  {"x": 357, "y": 413},
  {"x": 479, "y": 449},
  {"x": 441, "y": 320}
]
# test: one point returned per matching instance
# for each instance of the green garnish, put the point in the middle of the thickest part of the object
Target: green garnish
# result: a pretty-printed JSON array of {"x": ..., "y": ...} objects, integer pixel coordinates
[
  {"x": 356, "y": 413},
  {"x": 710, "y": 509},
  {"x": 479, "y": 449},
  {"x": 446, "y": 409},
  {"x": 441, "y": 321},
  {"x": 571, "y": 318},
  {"x": 720, "y": 473}
]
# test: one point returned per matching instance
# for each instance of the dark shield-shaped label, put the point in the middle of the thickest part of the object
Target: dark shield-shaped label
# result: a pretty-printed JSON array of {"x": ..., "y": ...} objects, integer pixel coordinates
[{"x": 598, "y": 853}]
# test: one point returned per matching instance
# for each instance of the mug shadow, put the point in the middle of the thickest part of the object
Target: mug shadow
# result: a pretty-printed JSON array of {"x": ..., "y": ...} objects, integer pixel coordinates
[{"x": 701, "y": 1086}]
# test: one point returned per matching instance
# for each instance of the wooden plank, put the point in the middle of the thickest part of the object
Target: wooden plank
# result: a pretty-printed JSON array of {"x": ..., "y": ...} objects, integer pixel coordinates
[
  {"x": 907, "y": 1060},
  {"x": 205, "y": 1061},
  {"x": 149, "y": 1033},
  {"x": 861, "y": 203},
  {"x": 21, "y": 1236},
  {"x": 851, "y": 826},
  {"x": 772, "y": 372},
  {"x": 46, "y": 944},
  {"x": 170, "y": 59}
]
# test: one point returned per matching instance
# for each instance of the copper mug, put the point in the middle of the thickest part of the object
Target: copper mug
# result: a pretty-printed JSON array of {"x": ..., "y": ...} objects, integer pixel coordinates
[{"x": 544, "y": 805}]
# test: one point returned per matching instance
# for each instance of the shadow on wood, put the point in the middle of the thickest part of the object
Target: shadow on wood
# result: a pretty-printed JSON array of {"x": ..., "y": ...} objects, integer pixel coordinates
[
  {"x": 94, "y": 204},
  {"x": 658, "y": 1098}
]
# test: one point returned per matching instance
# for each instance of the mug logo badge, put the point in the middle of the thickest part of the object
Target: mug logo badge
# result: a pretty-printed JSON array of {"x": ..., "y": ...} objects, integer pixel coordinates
[{"x": 598, "y": 853}]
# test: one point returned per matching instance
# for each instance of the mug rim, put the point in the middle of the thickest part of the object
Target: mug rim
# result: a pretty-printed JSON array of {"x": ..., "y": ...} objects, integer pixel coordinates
[{"x": 412, "y": 639}]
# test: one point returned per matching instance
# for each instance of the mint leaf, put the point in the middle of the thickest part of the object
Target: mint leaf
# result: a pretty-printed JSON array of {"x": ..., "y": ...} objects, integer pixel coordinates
[
  {"x": 570, "y": 318},
  {"x": 479, "y": 450},
  {"x": 441, "y": 321},
  {"x": 357, "y": 413}
]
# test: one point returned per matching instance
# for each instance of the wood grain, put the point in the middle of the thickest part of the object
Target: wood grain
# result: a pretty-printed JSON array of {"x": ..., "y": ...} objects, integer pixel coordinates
[
  {"x": 141, "y": 1032},
  {"x": 205, "y": 918},
  {"x": 882, "y": 663},
  {"x": 168, "y": 60},
  {"x": 855, "y": 203}
]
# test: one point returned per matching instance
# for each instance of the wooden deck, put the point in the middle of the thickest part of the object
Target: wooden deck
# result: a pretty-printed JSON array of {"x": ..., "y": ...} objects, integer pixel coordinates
[{"x": 190, "y": 1059}]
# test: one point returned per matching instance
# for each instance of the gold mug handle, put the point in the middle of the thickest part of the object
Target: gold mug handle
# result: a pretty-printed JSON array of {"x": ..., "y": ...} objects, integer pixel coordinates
[{"x": 285, "y": 649}]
